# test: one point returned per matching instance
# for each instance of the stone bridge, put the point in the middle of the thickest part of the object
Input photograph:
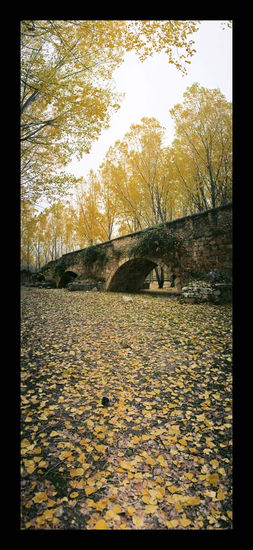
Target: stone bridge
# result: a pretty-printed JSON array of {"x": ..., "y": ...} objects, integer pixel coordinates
[{"x": 207, "y": 246}]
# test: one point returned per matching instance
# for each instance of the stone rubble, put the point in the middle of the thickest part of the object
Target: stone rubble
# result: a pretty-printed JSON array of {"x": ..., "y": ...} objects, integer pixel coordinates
[{"x": 208, "y": 290}]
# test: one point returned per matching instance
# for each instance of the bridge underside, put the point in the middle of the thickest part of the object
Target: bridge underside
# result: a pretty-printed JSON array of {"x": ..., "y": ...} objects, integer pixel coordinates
[
  {"x": 131, "y": 275},
  {"x": 66, "y": 278}
]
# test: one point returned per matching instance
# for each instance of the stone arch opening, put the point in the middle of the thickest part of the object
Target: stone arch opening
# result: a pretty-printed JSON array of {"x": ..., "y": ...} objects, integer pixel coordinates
[
  {"x": 131, "y": 275},
  {"x": 67, "y": 277}
]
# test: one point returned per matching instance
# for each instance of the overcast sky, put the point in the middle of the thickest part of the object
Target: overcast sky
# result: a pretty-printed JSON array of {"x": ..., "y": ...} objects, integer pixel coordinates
[{"x": 153, "y": 87}]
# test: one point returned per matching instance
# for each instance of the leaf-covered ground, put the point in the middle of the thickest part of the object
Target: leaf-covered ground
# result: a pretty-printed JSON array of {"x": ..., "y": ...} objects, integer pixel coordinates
[{"x": 159, "y": 455}]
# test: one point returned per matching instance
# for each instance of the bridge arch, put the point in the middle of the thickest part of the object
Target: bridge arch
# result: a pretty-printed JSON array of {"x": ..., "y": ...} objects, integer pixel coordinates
[
  {"x": 130, "y": 275},
  {"x": 67, "y": 277}
]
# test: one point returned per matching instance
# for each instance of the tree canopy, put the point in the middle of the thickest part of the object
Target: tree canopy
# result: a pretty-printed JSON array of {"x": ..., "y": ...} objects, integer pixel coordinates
[
  {"x": 142, "y": 181},
  {"x": 67, "y": 94}
]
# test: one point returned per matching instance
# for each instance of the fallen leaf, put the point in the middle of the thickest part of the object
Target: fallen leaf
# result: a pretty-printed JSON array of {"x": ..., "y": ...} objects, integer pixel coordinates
[
  {"x": 101, "y": 524},
  {"x": 76, "y": 472},
  {"x": 137, "y": 521},
  {"x": 185, "y": 522},
  {"x": 40, "y": 497}
]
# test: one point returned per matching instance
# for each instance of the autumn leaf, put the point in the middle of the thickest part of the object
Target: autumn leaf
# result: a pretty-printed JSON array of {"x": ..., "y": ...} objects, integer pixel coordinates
[
  {"x": 126, "y": 465},
  {"x": 130, "y": 510},
  {"x": 213, "y": 479},
  {"x": 40, "y": 497},
  {"x": 89, "y": 490},
  {"x": 101, "y": 524},
  {"x": 151, "y": 508},
  {"x": 25, "y": 443},
  {"x": 214, "y": 463},
  {"x": 150, "y": 461},
  {"x": 172, "y": 523},
  {"x": 76, "y": 472},
  {"x": 65, "y": 454},
  {"x": 185, "y": 522},
  {"x": 137, "y": 521}
]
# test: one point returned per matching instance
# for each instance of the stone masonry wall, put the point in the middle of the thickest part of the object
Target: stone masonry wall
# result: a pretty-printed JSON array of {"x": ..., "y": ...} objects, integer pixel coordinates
[{"x": 207, "y": 239}]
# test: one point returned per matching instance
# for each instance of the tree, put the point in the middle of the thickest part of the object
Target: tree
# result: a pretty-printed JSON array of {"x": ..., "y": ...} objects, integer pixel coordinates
[
  {"x": 203, "y": 147},
  {"x": 141, "y": 178},
  {"x": 27, "y": 251},
  {"x": 139, "y": 174},
  {"x": 151, "y": 169},
  {"x": 67, "y": 89},
  {"x": 109, "y": 205},
  {"x": 88, "y": 221}
]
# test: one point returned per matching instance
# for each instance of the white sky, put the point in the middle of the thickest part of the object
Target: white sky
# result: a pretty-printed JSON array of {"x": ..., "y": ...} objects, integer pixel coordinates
[{"x": 153, "y": 87}]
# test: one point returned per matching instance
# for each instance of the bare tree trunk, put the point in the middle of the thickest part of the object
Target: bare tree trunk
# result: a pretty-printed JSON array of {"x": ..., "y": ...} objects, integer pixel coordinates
[{"x": 160, "y": 276}]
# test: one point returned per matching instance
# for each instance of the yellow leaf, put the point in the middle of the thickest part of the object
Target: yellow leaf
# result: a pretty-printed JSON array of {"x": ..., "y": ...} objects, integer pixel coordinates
[
  {"x": 48, "y": 514},
  {"x": 65, "y": 454},
  {"x": 43, "y": 417},
  {"x": 135, "y": 440},
  {"x": 101, "y": 524},
  {"x": 53, "y": 434},
  {"x": 182, "y": 442},
  {"x": 25, "y": 443},
  {"x": 137, "y": 521},
  {"x": 145, "y": 437},
  {"x": 220, "y": 495},
  {"x": 213, "y": 479},
  {"x": 29, "y": 466},
  {"x": 130, "y": 510},
  {"x": 150, "y": 508},
  {"x": 161, "y": 461},
  {"x": 89, "y": 490},
  {"x": 126, "y": 465},
  {"x": 40, "y": 497},
  {"x": 111, "y": 514},
  {"x": 50, "y": 502},
  {"x": 74, "y": 494},
  {"x": 100, "y": 448},
  {"x": 172, "y": 489},
  {"x": 190, "y": 501},
  {"x": 185, "y": 522},
  {"x": 101, "y": 504},
  {"x": 211, "y": 494},
  {"x": 76, "y": 472},
  {"x": 200, "y": 417},
  {"x": 91, "y": 481},
  {"x": 214, "y": 463},
  {"x": 189, "y": 475},
  {"x": 207, "y": 451},
  {"x": 117, "y": 508},
  {"x": 158, "y": 492},
  {"x": 150, "y": 461},
  {"x": 174, "y": 429},
  {"x": 172, "y": 523}
]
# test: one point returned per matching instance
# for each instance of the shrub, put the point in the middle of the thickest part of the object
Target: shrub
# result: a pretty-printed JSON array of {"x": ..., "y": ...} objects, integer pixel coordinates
[
  {"x": 59, "y": 269},
  {"x": 156, "y": 242},
  {"x": 94, "y": 254}
]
